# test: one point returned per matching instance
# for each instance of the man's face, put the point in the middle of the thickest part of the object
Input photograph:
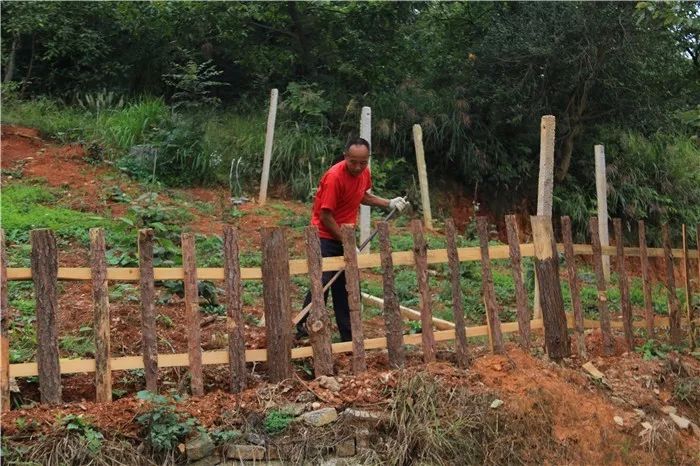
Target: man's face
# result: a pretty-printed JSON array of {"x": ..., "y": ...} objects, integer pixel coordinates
[{"x": 356, "y": 159}]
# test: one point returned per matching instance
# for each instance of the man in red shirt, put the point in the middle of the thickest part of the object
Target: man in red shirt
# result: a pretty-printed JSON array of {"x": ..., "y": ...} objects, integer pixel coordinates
[{"x": 341, "y": 191}]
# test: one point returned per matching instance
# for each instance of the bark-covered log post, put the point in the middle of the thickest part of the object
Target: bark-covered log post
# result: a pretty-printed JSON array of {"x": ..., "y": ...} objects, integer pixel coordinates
[
  {"x": 547, "y": 270},
  {"x": 318, "y": 323},
  {"x": 44, "y": 260},
  {"x": 625, "y": 303},
  {"x": 100, "y": 298},
  {"x": 604, "y": 314},
  {"x": 4, "y": 329},
  {"x": 233, "y": 285},
  {"x": 392, "y": 311},
  {"x": 688, "y": 294},
  {"x": 277, "y": 303},
  {"x": 352, "y": 285},
  {"x": 420, "y": 257},
  {"x": 674, "y": 311},
  {"x": 194, "y": 332},
  {"x": 487, "y": 290},
  {"x": 457, "y": 305},
  {"x": 646, "y": 279},
  {"x": 573, "y": 286},
  {"x": 149, "y": 342},
  {"x": 520, "y": 292}
]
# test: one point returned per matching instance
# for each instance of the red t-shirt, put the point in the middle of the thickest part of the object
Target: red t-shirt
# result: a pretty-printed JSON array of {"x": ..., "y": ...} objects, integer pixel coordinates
[{"x": 341, "y": 193}]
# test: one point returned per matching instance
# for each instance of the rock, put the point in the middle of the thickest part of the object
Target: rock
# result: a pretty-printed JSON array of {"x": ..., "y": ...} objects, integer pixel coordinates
[
  {"x": 199, "y": 447},
  {"x": 305, "y": 397},
  {"x": 362, "y": 438},
  {"x": 320, "y": 417},
  {"x": 496, "y": 403},
  {"x": 329, "y": 383},
  {"x": 593, "y": 371},
  {"x": 244, "y": 452},
  {"x": 363, "y": 415},
  {"x": 639, "y": 412},
  {"x": 656, "y": 391},
  {"x": 619, "y": 421},
  {"x": 681, "y": 422},
  {"x": 315, "y": 405},
  {"x": 646, "y": 425},
  {"x": 695, "y": 428},
  {"x": 255, "y": 439},
  {"x": 296, "y": 409},
  {"x": 213, "y": 460},
  {"x": 345, "y": 448},
  {"x": 668, "y": 410}
]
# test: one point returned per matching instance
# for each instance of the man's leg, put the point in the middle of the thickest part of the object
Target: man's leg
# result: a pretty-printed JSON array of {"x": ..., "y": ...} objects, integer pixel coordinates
[
  {"x": 329, "y": 248},
  {"x": 341, "y": 308}
]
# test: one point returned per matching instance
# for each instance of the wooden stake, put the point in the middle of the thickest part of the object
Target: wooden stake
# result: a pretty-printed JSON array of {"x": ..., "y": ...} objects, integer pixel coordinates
[
  {"x": 366, "y": 134},
  {"x": 545, "y": 186},
  {"x": 44, "y": 259},
  {"x": 4, "y": 330},
  {"x": 601, "y": 184},
  {"x": 149, "y": 342},
  {"x": 100, "y": 298},
  {"x": 194, "y": 334},
  {"x": 520, "y": 292},
  {"x": 352, "y": 285},
  {"x": 392, "y": 313},
  {"x": 461, "y": 347},
  {"x": 674, "y": 311},
  {"x": 646, "y": 279},
  {"x": 547, "y": 270},
  {"x": 234, "y": 310},
  {"x": 277, "y": 302},
  {"x": 573, "y": 286},
  {"x": 608, "y": 342},
  {"x": 318, "y": 323},
  {"x": 422, "y": 176},
  {"x": 688, "y": 295},
  {"x": 269, "y": 137},
  {"x": 625, "y": 304},
  {"x": 420, "y": 249},
  {"x": 488, "y": 292}
]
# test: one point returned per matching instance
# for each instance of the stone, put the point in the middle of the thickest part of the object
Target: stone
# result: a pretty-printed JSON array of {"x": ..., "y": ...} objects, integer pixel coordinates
[
  {"x": 619, "y": 421},
  {"x": 305, "y": 397},
  {"x": 360, "y": 414},
  {"x": 346, "y": 448},
  {"x": 329, "y": 383},
  {"x": 320, "y": 417},
  {"x": 208, "y": 461},
  {"x": 639, "y": 412},
  {"x": 681, "y": 422},
  {"x": 593, "y": 371},
  {"x": 362, "y": 438},
  {"x": 315, "y": 405},
  {"x": 244, "y": 452},
  {"x": 199, "y": 447},
  {"x": 255, "y": 439},
  {"x": 496, "y": 403},
  {"x": 669, "y": 410},
  {"x": 296, "y": 409}
]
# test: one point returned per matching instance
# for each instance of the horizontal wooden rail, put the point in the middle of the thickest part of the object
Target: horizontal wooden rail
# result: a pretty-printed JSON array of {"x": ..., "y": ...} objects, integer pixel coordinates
[
  {"x": 299, "y": 266},
  {"x": 73, "y": 366}
]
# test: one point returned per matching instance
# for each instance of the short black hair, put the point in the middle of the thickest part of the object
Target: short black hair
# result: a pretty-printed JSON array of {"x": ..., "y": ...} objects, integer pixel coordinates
[{"x": 356, "y": 142}]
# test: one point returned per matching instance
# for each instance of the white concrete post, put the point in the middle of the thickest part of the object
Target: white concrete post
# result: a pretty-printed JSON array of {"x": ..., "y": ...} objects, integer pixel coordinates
[
  {"x": 269, "y": 136},
  {"x": 545, "y": 185},
  {"x": 366, "y": 134},
  {"x": 601, "y": 189},
  {"x": 422, "y": 176}
]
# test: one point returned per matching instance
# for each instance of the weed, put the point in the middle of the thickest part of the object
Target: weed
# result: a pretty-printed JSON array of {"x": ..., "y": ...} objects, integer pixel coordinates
[
  {"x": 653, "y": 349},
  {"x": 277, "y": 420},
  {"x": 162, "y": 426},
  {"x": 78, "y": 425},
  {"x": 221, "y": 436},
  {"x": 687, "y": 390},
  {"x": 78, "y": 346}
]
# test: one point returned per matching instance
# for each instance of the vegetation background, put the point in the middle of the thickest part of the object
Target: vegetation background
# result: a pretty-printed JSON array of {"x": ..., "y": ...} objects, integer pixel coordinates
[{"x": 176, "y": 93}]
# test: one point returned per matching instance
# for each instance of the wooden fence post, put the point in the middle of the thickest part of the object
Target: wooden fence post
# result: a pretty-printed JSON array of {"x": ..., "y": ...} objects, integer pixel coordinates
[
  {"x": 44, "y": 262},
  {"x": 646, "y": 284},
  {"x": 4, "y": 329},
  {"x": 461, "y": 346},
  {"x": 149, "y": 343},
  {"x": 352, "y": 284},
  {"x": 547, "y": 270},
  {"x": 520, "y": 292},
  {"x": 318, "y": 323},
  {"x": 365, "y": 210},
  {"x": 608, "y": 342},
  {"x": 277, "y": 302},
  {"x": 101, "y": 322},
  {"x": 422, "y": 176},
  {"x": 488, "y": 292},
  {"x": 392, "y": 309},
  {"x": 194, "y": 333},
  {"x": 420, "y": 256},
  {"x": 625, "y": 304},
  {"x": 688, "y": 295},
  {"x": 601, "y": 184},
  {"x": 234, "y": 310},
  {"x": 573, "y": 286},
  {"x": 545, "y": 185},
  {"x": 269, "y": 138},
  {"x": 674, "y": 318}
]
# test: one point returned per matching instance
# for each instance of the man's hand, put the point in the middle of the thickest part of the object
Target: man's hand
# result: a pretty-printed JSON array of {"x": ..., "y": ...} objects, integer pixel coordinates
[{"x": 398, "y": 203}]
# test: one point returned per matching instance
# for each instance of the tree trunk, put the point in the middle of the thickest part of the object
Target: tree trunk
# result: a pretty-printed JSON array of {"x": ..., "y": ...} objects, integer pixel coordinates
[
  {"x": 318, "y": 322},
  {"x": 10, "y": 68},
  {"x": 352, "y": 284},
  {"x": 392, "y": 310},
  {"x": 420, "y": 256},
  {"x": 520, "y": 292},
  {"x": 457, "y": 306},
  {"x": 234, "y": 310},
  {"x": 488, "y": 292},
  {"x": 149, "y": 342},
  {"x": 100, "y": 297}
]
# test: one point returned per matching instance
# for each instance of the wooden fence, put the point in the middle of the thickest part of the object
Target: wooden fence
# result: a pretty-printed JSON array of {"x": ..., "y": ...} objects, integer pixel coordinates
[{"x": 275, "y": 273}]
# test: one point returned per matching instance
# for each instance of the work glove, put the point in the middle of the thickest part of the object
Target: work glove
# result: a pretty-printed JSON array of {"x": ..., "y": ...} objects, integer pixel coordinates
[{"x": 398, "y": 203}]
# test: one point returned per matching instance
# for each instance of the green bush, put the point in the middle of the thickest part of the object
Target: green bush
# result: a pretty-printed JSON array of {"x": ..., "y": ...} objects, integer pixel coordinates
[{"x": 162, "y": 426}]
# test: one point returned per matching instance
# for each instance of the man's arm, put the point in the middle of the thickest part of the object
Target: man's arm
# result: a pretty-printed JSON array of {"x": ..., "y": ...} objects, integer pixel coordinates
[
  {"x": 375, "y": 201},
  {"x": 330, "y": 223}
]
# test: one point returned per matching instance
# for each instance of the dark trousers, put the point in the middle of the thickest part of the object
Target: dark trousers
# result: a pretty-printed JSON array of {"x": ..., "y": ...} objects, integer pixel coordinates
[{"x": 332, "y": 248}]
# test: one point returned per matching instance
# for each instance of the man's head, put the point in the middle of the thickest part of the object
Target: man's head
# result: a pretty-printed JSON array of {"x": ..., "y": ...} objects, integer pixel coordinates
[{"x": 356, "y": 156}]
